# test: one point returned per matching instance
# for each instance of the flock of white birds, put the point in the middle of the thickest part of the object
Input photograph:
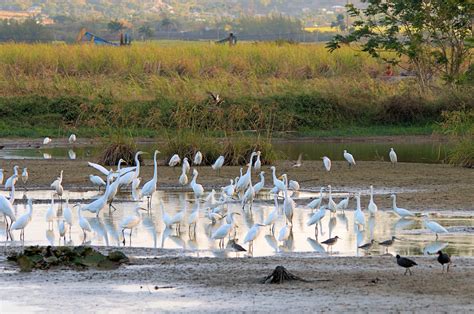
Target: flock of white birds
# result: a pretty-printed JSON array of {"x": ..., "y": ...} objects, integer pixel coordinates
[{"x": 241, "y": 189}]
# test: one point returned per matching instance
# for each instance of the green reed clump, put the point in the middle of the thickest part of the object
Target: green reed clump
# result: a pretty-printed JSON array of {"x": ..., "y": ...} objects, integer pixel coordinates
[{"x": 118, "y": 145}]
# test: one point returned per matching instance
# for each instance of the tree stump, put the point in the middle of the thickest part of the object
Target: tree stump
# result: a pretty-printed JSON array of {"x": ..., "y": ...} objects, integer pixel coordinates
[{"x": 280, "y": 275}]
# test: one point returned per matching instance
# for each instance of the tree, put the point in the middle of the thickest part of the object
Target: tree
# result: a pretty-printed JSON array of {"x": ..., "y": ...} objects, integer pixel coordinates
[
  {"x": 429, "y": 34},
  {"x": 115, "y": 26},
  {"x": 145, "y": 31},
  {"x": 340, "y": 22}
]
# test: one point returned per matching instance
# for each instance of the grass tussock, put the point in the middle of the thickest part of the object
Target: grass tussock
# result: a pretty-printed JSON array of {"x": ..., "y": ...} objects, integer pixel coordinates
[{"x": 118, "y": 146}]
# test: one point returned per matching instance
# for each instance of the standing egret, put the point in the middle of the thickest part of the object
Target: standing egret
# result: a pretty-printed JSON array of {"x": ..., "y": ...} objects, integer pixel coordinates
[
  {"x": 174, "y": 160},
  {"x": 298, "y": 162},
  {"x": 46, "y": 141},
  {"x": 251, "y": 235},
  {"x": 288, "y": 203},
  {"x": 279, "y": 184},
  {"x": 62, "y": 230},
  {"x": 402, "y": 212},
  {"x": 316, "y": 218},
  {"x": 67, "y": 214},
  {"x": 72, "y": 139},
  {"x": 150, "y": 187},
  {"x": 56, "y": 185},
  {"x": 24, "y": 176},
  {"x": 193, "y": 218},
  {"x": 50, "y": 213},
  {"x": 434, "y": 226},
  {"x": 183, "y": 178},
  {"x": 186, "y": 166},
  {"x": 217, "y": 165},
  {"x": 317, "y": 201},
  {"x": 349, "y": 158},
  {"x": 13, "y": 179},
  {"x": 229, "y": 190},
  {"x": 372, "y": 206},
  {"x": 197, "y": 158},
  {"x": 97, "y": 181},
  {"x": 331, "y": 204},
  {"x": 343, "y": 204},
  {"x": 258, "y": 164},
  {"x": 197, "y": 188},
  {"x": 130, "y": 173},
  {"x": 294, "y": 185},
  {"x": 6, "y": 208},
  {"x": 249, "y": 195},
  {"x": 405, "y": 263},
  {"x": 83, "y": 223},
  {"x": 131, "y": 222},
  {"x": 359, "y": 218},
  {"x": 1, "y": 176},
  {"x": 284, "y": 233},
  {"x": 23, "y": 221},
  {"x": 393, "y": 156},
  {"x": 272, "y": 216},
  {"x": 327, "y": 163},
  {"x": 259, "y": 185},
  {"x": 224, "y": 230},
  {"x": 244, "y": 180}
]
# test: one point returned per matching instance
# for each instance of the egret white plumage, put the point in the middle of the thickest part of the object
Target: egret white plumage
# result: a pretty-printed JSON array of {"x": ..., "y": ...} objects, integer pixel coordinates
[
  {"x": 294, "y": 185},
  {"x": 50, "y": 213},
  {"x": 1, "y": 176},
  {"x": 327, "y": 163},
  {"x": 6, "y": 208},
  {"x": 24, "y": 176},
  {"x": 217, "y": 165},
  {"x": 57, "y": 185},
  {"x": 249, "y": 195},
  {"x": 316, "y": 218},
  {"x": 131, "y": 222},
  {"x": 298, "y": 162},
  {"x": 183, "y": 178},
  {"x": 393, "y": 156},
  {"x": 259, "y": 185},
  {"x": 279, "y": 184},
  {"x": 186, "y": 166},
  {"x": 12, "y": 179},
  {"x": 229, "y": 190},
  {"x": 434, "y": 226},
  {"x": 23, "y": 220},
  {"x": 402, "y": 212},
  {"x": 288, "y": 203},
  {"x": 251, "y": 235},
  {"x": 224, "y": 230},
  {"x": 343, "y": 204},
  {"x": 258, "y": 164},
  {"x": 359, "y": 215},
  {"x": 67, "y": 214},
  {"x": 272, "y": 216},
  {"x": 349, "y": 158},
  {"x": 97, "y": 181},
  {"x": 372, "y": 206},
  {"x": 174, "y": 160},
  {"x": 197, "y": 188},
  {"x": 62, "y": 229},
  {"x": 244, "y": 180},
  {"x": 83, "y": 223},
  {"x": 331, "y": 204},
  {"x": 197, "y": 158},
  {"x": 130, "y": 173},
  {"x": 150, "y": 187},
  {"x": 284, "y": 233},
  {"x": 46, "y": 141},
  {"x": 72, "y": 138},
  {"x": 317, "y": 201}
]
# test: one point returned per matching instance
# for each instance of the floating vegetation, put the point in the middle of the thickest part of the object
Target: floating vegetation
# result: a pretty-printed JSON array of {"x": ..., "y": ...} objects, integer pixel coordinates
[{"x": 81, "y": 257}]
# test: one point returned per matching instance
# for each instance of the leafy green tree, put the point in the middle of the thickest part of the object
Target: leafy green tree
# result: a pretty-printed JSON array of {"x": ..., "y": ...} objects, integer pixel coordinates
[
  {"x": 340, "y": 22},
  {"x": 145, "y": 31},
  {"x": 429, "y": 34},
  {"x": 115, "y": 26}
]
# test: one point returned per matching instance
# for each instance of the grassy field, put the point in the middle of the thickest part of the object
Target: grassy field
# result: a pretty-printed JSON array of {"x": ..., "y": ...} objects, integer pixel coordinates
[{"x": 149, "y": 88}]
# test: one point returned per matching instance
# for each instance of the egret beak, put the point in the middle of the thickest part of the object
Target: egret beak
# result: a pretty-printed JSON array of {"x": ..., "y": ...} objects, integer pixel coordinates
[{"x": 143, "y": 208}]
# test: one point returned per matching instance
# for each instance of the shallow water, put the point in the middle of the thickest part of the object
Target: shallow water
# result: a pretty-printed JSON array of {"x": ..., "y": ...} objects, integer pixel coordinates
[
  {"x": 424, "y": 152},
  {"x": 151, "y": 231}
]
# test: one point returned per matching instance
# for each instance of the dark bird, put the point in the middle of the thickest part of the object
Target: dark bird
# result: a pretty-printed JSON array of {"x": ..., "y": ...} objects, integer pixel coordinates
[
  {"x": 443, "y": 258},
  {"x": 331, "y": 241},
  {"x": 405, "y": 263},
  {"x": 388, "y": 243},
  {"x": 234, "y": 246},
  {"x": 298, "y": 163},
  {"x": 217, "y": 99},
  {"x": 367, "y": 246}
]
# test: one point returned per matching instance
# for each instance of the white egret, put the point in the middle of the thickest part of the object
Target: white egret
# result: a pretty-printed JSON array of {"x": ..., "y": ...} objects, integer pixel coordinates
[
  {"x": 316, "y": 218},
  {"x": 224, "y": 230},
  {"x": 349, "y": 158},
  {"x": 259, "y": 185},
  {"x": 343, "y": 204},
  {"x": 174, "y": 160},
  {"x": 62, "y": 230},
  {"x": 13, "y": 179},
  {"x": 23, "y": 221},
  {"x": 288, "y": 203},
  {"x": 46, "y": 141},
  {"x": 6, "y": 208},
  {"x": 193, "y": 217},
  {"x": 393, "y": 156},
  {"x": 298, "y": 162},
  {"x": 317, "y": 201},
  {"x": 279, "y": 184},
  {"x": 359, "y": 215},
  {"x": 1, "y": 176},
  {"x": 372, "y": 206},
  {"x": 402, "y": 212},
  {"x": 83, "y": 223},
  {"x": 294, "y": 185},
  {"x": 284, "y": 233},
  {"x": 434, "y": 226},
  {"x": 150, "y": 187},
  {"x": 197, "y": 188},
  {"x": 24, "y": 176},
  {"x": 244, "y": 180},
  {"x": 217, "y": 165},
  {"x": 97, "y": 181},
  {"x": 229, "y": 190},
  {"x": 272, "y": 216},
  {"x": 251, "y": 235},
  {"x": 186, "y": 166},
  {"x": 72, "y": 138},
  {"x": 56, "y": 185},
  {"x": 67, "y": 214},
  {"x": 327, "y": 163},
  {"x": 258, "y": 164},
  {"x": 249, "y": 195},
  {"x": 197, "y": 158},
  {"x": 183, "y": 178},
  {"x": 331, "y": 204},
  {"x": 131, "y": 222},
  {"x": 50, "y": 213},
  {"x": 130, "y": 173}
]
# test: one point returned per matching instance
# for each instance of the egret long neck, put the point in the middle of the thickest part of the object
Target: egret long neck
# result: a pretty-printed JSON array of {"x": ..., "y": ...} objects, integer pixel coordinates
[
  {"x": 137, "y": 162},
  {"x": 358, "y": 203},
  {"x": 155, "y": 170},
  {"x": 371, "y": 194},
  {"x": 12, "y": 194}
]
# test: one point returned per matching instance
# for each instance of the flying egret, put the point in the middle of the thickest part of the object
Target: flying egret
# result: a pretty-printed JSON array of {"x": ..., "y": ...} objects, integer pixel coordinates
[
  {"x": 298, "y": 162},
  {"x": 217, "y": 165},
  {"x": 50, "y": 213},
  {"x": 372, "y": 206},
  {"x": 327, "y": 163},
  {"x": 186, "y": 166},
  {"x": 197, "y": 188},
  {"x": 317, "y": 201},
  {"x": 402, "y": 212},
  {"x": 13, "y": 179},
  {"x": 349, "y": 158},
  {"x": 251, "y": 235},
  {"x": 224, "y": 230},
  {"x": 258, "y": 164},
  {"x": 259, "y": 185},
  {"x": 393, "y": 156},
  {"x": 24, "y": 176},
  {"x": 97, "y": 181},
  {"x": 83, "y": 223},
  {"x": 72, "y": 138},
  {"x": 197, "y": 158},
  {"x": 131, "y": 222},
  {"x": 359, "y": 215},
  {"x": 174, "y": 160},
  {"x": 46, "y": 141},
  {"x": 150, "y": 187},
  {"x": 23, "y": 221},
  {"x": 272, "y": 216},
  {"x": 434, "y": 226}
]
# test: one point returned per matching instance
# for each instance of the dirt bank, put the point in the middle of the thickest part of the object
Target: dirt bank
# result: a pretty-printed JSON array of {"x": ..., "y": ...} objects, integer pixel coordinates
[{"x": 214, "y": 284}]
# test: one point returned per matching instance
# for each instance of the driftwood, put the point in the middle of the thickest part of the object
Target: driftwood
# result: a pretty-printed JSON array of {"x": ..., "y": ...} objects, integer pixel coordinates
[{"x": 280, "y": 275}]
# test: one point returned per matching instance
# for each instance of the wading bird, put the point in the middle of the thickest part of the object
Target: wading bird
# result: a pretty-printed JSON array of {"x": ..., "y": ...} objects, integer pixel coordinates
[
  {"x": 72, "y": 139},
  {"x": 97, "y": 181},
  {"x": 251, "y": 235},
  {"x": 349, "y": 158},
  {"x": 149, "y": 188},
  {"x": 174, "y": 160},
  {"x": 434, "y": 226},
  {"x": 217, "y": 165},
  {"x": 444, "y": 258},
  {"x": 83, "y": 223},
  {"x": 317, "y": 201},
  {"x": 259, "y": 185},
  {"x": 299, "y": 161},
  {"x": 23, "y": 221},
  {"x": 402, "y": 212},
  {"x": 197, "y": 158},
  {"x": 372, "y": 206},
  {"x": 24, "y": 176},
  {"x": 258, "y": 164},
  {"x": 388, "y": 243},
  {"x": 393, "y": 156},
  {"x": 131, "y": 222},
  {"x": 405, "y": 263},
  {"x": 197, "y": 188},
  {"x": 46, "y": 141},
  {"x": 11, "y": 181},
  {"x": 327, "y": 163}
]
